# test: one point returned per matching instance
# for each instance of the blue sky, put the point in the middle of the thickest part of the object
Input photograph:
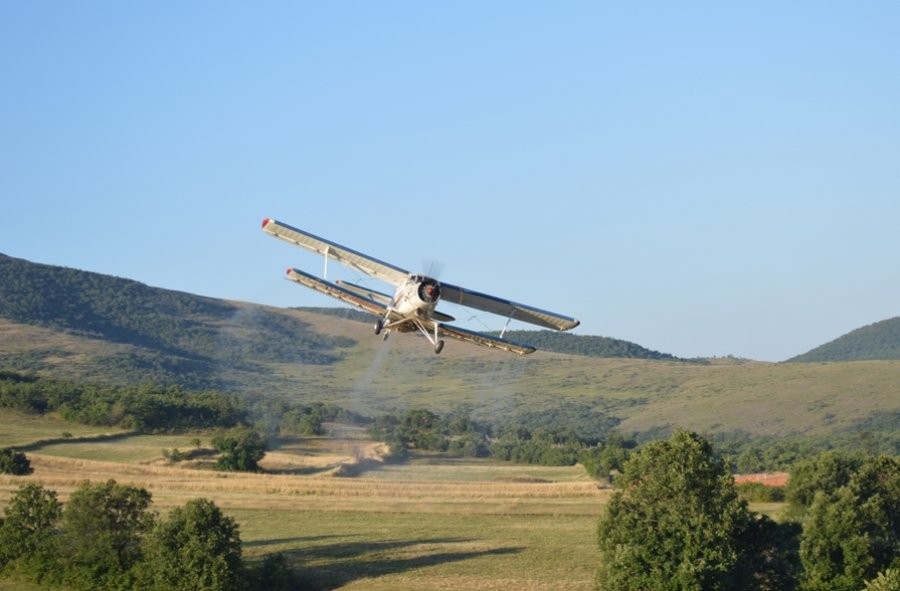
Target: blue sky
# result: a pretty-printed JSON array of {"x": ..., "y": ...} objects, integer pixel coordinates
[{"x": 701, "y": 178}]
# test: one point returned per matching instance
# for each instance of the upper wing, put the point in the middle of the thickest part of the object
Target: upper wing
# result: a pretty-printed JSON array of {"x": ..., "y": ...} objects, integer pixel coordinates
[
  {"x": 342, "y": 254},
  {"x": 495, "y": 305}
]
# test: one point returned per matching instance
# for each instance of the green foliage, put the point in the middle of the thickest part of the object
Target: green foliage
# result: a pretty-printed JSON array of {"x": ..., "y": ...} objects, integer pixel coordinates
[
  {"x": 148, "y": 407},
  {"x": 424, "y": 430},
  {"x": 757, "y": 492},
  {"x": 197, "y": 548},
  {"x": 154, "y": 408},
  {"x": 880, "y": 340},
  {"x": 824, "y": 473},
  {"x": 460, "y": 436},
  {"x": 103, "y": 528},
  {"x": 27, "y": 542},
  {"x": 14, "y": 462},
  {"x": 106, "y": 537},
  {"x": 851, "y": 532},
  {"x": 241, "y": 449},
  {"x": 771, "y": 454},
  {"x": 676, "y": 522},
  {"x": 276, "y": 417},
  {"x": 607, "y": 457},
  {"x": 889, "y": 580},
  {"x": 771, "y": 560}
]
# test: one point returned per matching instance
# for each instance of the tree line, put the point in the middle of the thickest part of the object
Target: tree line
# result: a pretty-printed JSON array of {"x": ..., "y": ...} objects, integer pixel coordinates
[
  {"x": 107, "y": 536},
  {"x": 152, "y": 408},
  {"x": 458, "y": 435}
]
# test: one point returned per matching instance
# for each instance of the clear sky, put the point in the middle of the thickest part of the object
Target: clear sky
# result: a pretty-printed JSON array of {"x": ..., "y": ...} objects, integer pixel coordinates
[{"x": 701, "y": 178}]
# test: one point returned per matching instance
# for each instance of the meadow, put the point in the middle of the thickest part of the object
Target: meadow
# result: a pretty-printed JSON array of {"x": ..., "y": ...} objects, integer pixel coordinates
[{"x": 428, "y": 523}]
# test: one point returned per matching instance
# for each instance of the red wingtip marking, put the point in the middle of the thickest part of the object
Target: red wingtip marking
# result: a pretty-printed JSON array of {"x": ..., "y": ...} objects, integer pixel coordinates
[
  {"x": 266, "y": 222},
  {"x": 288, "y": 272}
]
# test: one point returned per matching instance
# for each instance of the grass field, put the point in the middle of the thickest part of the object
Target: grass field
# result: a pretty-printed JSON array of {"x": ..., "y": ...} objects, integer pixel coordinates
[{"x": 430, "y": 523}]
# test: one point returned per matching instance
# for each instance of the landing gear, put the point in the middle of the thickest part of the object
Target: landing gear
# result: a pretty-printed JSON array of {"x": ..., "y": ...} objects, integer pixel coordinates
[
  {"x": 379, "y": 324},
  {"x": 439, "y": 347}
]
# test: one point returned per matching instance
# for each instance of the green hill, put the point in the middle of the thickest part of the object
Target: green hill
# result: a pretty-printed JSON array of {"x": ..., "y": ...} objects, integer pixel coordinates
[
  {"x": 880, "y": 340},
  {"x": 150, "y": 333},
  {"x": 92, "y": 328}
]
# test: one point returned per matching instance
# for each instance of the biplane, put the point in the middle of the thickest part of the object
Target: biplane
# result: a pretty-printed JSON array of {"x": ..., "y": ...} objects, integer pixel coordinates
[{"x": 412, "y": 307}]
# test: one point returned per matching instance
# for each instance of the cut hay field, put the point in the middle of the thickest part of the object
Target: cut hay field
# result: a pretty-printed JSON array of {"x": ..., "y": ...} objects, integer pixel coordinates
[{"x": 430, "y": 523}]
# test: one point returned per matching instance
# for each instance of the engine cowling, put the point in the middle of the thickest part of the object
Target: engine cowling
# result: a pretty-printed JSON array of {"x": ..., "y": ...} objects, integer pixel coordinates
[{"x": 428, "y": 290}]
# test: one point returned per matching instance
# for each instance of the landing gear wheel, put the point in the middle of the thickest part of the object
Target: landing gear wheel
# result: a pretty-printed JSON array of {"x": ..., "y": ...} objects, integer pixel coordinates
[
  {"x": 378, "y": 326},
  {"x": 438, "y": 347}
]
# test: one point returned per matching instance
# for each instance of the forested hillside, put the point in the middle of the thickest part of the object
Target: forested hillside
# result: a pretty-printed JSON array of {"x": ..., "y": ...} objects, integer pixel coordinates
[
  {"x": 172, "y": 337},
  {"x": 880, "y": 340}
]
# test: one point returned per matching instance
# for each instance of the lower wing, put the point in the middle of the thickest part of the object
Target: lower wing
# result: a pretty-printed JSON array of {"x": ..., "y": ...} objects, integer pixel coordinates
[
  {"x": 485, "y": 340},
  {"x": 354, "y": 298}
]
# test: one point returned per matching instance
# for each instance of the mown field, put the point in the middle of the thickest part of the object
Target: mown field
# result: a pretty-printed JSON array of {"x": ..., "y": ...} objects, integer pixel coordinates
[{"x": 430, "y": 523}]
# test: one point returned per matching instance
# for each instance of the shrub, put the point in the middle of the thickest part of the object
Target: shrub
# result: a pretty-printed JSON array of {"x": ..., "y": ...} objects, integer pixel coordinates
[{"x": 14, "y": 462}]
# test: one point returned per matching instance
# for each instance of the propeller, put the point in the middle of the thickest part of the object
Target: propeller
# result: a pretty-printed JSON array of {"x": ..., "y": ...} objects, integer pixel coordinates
[{"x": 433, "y": 268}]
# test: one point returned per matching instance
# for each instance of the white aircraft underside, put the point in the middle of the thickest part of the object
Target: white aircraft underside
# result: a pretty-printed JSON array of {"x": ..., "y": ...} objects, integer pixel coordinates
[{"x": 412, "y": 307}]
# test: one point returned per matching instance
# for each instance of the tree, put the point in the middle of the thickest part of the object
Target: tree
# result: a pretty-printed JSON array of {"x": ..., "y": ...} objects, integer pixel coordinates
[
  {"x": 826, "y": 472},
  {"x": 241, "y": 449},
  {"x": 853, "y": 533},
  {"x": 14, "y": 462},
  {"x": 103, "y": 526},
  {"x": 197, "y": 548},
  {"x": 27, "y": 532},
  {"x": 675, "y": 521}
]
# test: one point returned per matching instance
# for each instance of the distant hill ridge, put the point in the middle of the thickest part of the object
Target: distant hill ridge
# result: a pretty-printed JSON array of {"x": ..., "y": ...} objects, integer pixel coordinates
[{"x": 877, "y": 341}]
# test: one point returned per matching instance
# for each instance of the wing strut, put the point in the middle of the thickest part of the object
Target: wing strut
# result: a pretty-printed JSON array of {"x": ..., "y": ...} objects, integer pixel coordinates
[
  {"x": 327, "y": 250},
  {"x": 508, "y": 320}
]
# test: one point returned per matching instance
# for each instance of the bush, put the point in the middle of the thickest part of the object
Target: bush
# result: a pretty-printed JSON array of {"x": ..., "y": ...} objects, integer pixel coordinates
[
  {"x": 757, "y": 492},
  {"x": 197, "y": 548},
  {"x": 676, "y": 522},
  {"x": 241, "y": 450},
  {"x": 27, "y": 533},
  {"x": 103, "y": 526},
  {"x": 14, "y": 462}
]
